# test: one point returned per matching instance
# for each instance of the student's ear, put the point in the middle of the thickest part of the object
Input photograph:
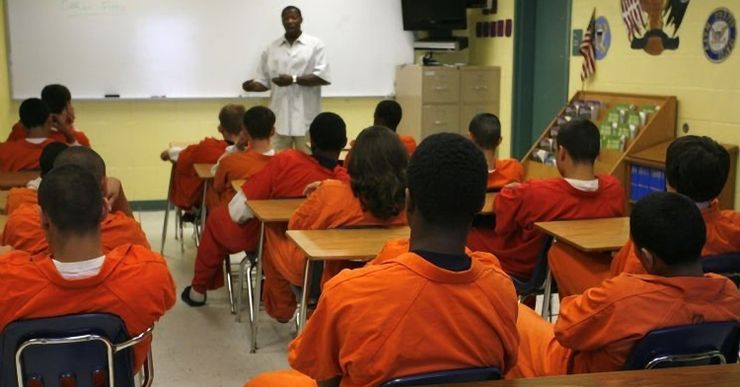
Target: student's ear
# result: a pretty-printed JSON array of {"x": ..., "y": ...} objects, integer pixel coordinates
[
  {"x": 272, "y": 131},
  {"x": 45, "y": 224},
  {"x": 647, "y": 258},
  {"x": 470, "y": 136},
  {"x": 410, "y": 206},
  {"x": 561, "y": 155},
  {"x": 669, "y": 188},
  {"x": 499, "y": 142},
  {"x": 49, "y": 122},
  {"x": 220, "y": 129}
]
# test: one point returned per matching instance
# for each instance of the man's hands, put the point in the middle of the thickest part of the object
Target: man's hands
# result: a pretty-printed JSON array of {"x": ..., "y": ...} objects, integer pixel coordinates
[
  {"x": 252, "y": 85},
  {"x": 283, "y": 80}
]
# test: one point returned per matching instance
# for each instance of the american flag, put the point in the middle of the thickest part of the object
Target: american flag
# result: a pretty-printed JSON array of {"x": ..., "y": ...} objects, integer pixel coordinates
[
  {"x": 633, "y": 17},
  {"x": 587, "y": 50}
]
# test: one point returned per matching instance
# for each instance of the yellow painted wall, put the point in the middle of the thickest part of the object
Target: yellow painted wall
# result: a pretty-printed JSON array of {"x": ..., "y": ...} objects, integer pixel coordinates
[{"x": 708, "y": 94}]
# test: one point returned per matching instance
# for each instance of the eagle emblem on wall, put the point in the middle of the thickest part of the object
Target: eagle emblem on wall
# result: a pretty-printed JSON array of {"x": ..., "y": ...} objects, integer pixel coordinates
[{"x": 652, "y": 25}]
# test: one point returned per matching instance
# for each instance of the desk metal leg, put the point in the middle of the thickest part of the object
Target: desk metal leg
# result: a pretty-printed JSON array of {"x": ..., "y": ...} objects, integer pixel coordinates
[
  {"x": 547, "y": 296},
  {"x": 167, "y": 208},
  {"x": 203, "y": 210},
  {"x": 258, "y": 287},
  {"x": 304, "y": 296}
]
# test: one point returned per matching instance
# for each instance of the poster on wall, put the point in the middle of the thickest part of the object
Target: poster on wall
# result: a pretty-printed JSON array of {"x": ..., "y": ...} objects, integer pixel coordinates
[
  {"x": 652, "y": 25},
  {"x": 719, "y": 35}
]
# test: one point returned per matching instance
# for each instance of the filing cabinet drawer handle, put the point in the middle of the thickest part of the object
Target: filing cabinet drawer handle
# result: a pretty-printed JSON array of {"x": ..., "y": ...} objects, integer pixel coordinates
[
  {"x": 480, "y": 88},
  {"x": 441, "y": 88},
  {"x": 439, "y": 123}
]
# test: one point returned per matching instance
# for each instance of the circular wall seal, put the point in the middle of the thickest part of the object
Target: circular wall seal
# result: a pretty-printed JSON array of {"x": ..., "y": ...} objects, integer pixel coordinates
[
  {"x": 719, "y": 35},
  {"x": 603, "y": 38}
]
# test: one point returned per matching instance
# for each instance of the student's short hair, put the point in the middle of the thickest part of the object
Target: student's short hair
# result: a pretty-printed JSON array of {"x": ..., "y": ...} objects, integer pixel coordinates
[
  {"x": 697, "y": 167},
  {"x": 328, "y": 132},
  {"x": 33, "y": 113},
  {"x": 377, "y": 171},
  {"x": 485, "y": 129},
  {"x": 388, "y": 113},
  {"x": 56, "y": 96},
  {"x": 259, "y": 121},
  {"x": 447, "y": 178},
  {"x": 70, "y": 197},
  {"x": 291, "y": 8},
  {"x": 580, "y": 137},
  {"x": 83, "y": 157},
  {"x": 230, "y": 117},
  {"x": 49, "y": 154},
  {"x": 669, "y": 225}
]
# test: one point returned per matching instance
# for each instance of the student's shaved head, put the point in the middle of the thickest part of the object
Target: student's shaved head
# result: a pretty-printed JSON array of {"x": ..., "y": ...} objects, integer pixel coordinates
[
  {"x": 49, "y": 154},
  {"x": 485, "y": 130},
  {"x": 230, "y": 117},
  {"x": 33, "y": 113},
  {"x": 259, "y": 121},
  {"x": 71, "y": 199},
  {"x": 697, "y": 167},
  {"x": 388, "y": 113},
  {"x": 83, "y": 157},
  {"x": 447, "y": 178},
  {"x": 56, "y": 96},
  {"x": 328, "y": 132}
]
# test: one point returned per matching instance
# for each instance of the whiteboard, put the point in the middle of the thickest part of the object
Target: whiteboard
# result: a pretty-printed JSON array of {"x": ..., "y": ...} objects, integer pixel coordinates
[{"x": 194, "y": 48}]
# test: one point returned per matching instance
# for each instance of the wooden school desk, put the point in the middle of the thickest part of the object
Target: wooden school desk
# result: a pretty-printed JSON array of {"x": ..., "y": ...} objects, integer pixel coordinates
[
  {"x": 204, "y": 172},
  {"x": 266, "y": 211},
  {"x": 10, "y": 180},
  {"x": 339, "y": 245},
  {"x": 237, "y": 184},
  {"x": 589, "y": 235},
  {"x": 714, "y": 375}
]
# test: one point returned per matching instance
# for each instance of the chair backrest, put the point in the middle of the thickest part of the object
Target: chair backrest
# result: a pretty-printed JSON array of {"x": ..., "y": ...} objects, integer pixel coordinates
[
  {"x": 78, "y": 345},
  {"x": 687, "y": 345},
  {"x": 727, "y": 264},
  {"x": 452, "y": 376},
  {"x": 535, "y": 282}
]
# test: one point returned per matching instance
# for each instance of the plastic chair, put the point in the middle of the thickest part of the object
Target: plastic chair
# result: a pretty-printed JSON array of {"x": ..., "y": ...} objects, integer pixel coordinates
[
  {"x": 727, "y": 264},
  {"x": 687, "y": 345},
  {"x": 541, "y": 281},
  {"x": 83, "y": 349},
  {"x": 440, "y": 377}
]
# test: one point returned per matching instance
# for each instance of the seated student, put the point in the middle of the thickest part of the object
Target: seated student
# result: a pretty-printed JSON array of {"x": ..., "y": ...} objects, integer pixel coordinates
[
  {"x": 234, "y": 229},
  {"x": 579, "y": 194},
  {"x": 698, "y": 168},
  {"x": 59, "y": 100},
  {"x": 23, "y": 155},
  {"x": 374, "y": 196},
  {"x": 78, "y": 275},
  {"x": 187, "y": 190},
  {"x": 388, "y": 113},
  {"x": 485, "y": 131},
  {"x": 596, "y": 331},
  {"x": 24, "y": 231},
  {"x": 259, "y": 125},
  {"x": 28, "y": 194},
  {"x": 431, "y": 309}
]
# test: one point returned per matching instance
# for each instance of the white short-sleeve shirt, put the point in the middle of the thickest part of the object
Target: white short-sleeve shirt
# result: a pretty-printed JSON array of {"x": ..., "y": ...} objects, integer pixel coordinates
[{"x": 294, "y": 106}]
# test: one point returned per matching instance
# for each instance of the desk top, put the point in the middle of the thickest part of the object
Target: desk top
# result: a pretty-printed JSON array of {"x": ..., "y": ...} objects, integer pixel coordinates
[
  {"x": 719, "y": 375},
  {"x": 3, "y": 201},
  {"x": 204, "y": 170},
  {"x": 488, "y": 207},
  {"x": 590, "y": 235},
  {"x": 275, "y": 210},
  {"x": 237, "y": 184},
  {"x": 10, "y": 180},
  {"x": 655, "y": 155},
  {"x": 343, "y": 244}
]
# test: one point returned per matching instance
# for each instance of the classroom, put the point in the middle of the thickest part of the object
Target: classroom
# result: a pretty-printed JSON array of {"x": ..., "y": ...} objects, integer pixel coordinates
[{"x": 369, "y": 193}]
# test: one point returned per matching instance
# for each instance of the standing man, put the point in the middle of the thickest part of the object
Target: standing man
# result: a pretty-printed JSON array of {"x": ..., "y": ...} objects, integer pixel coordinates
[{"x": 296, "y": 64}]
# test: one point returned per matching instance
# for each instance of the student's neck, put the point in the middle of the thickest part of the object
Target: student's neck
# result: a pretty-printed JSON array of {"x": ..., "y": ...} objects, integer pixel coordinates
[
  {"x": 438, "y": 240},
  {"x": 333, "y": 155},
  {"x": 490, "y": 158},
  {"x": 580, "y": 172},
  {"x": 261, "y": 146},
  {"x": 76, "y": 248},
  {"x": 37, "y": 132},
  {"x": 687, "y": 270}
]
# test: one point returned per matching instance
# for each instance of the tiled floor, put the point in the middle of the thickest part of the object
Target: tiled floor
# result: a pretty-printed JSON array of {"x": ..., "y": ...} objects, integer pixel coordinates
[{"x": 206, "y": 346}]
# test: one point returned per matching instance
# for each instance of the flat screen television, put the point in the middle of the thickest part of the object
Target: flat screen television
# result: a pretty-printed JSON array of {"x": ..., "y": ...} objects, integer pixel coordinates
[{"x": 434, "y": 15}]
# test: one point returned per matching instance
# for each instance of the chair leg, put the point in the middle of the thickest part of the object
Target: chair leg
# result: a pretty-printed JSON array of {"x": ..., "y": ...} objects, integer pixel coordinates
[
  {"x": 147, "y": 371},
  {"x": 229, "y": 285},
  {"x": 250, "y": 293},
  {"x": 164, "y": 226},
  {"x": 547, "y": 297},
  {"x": 240, "y": 288}
]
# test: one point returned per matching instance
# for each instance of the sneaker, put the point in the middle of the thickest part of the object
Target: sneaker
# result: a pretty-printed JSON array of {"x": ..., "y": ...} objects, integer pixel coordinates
[{"x": 185, "y": 296}]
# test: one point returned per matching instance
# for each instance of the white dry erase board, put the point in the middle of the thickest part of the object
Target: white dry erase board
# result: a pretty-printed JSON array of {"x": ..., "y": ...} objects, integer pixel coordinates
[{"x": 193, "y": 48}]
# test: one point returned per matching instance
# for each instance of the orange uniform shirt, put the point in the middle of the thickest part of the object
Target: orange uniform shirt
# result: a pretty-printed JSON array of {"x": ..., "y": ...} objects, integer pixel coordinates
[
  {"x": 409, "y": 143},
  {"x": 188, "y": 187},
  {"x": 723, "y": 236},
  {"x": 134, "y": 284},
  {"x": 332, "y": 205},
  {"x": 21, "y": 155},
  {"x": 507, "y": 171},
  {"x": 516, "y": 242},
  {"x": 596, "y": 331},
  {"x": 240, "y": 165},
  {"x": 19, "y": 132},
  {"x": 20, "y": 196},
  {"x": 438, "y": 320},
  {"x": 23, "y": 231}
]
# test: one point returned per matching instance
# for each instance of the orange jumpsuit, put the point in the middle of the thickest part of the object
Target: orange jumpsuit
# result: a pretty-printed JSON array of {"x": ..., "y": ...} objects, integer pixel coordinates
[
  {"x": 240, "y": 165},
  {"x": 23, "y": 231},
  {"x": 284, "y": 176},
  {"x": 133, "y": 283},
  {"x": 597, "y": 330},
  {"x": 187, "y": 190},
  {"x": 507, "y": 171},
  {"x": 408, "y": 143},
  {"x": 437, "y": 320},
  {"x": 516, "y": 242},
  {"x": 723, "y": 236},
  {"x": 20, "y": 196},
  {"x": 332, "y": 205},
  {"x": 19, "y": 133},
  {"x": 21, "y": 155}
]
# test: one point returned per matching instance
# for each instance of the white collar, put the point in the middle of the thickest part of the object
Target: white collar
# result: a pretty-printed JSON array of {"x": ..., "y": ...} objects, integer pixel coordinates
[
  {"x": 584, "y": 185},
  {"x": 79, "y": 270},
  {"x": 37, "y": 140}
]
